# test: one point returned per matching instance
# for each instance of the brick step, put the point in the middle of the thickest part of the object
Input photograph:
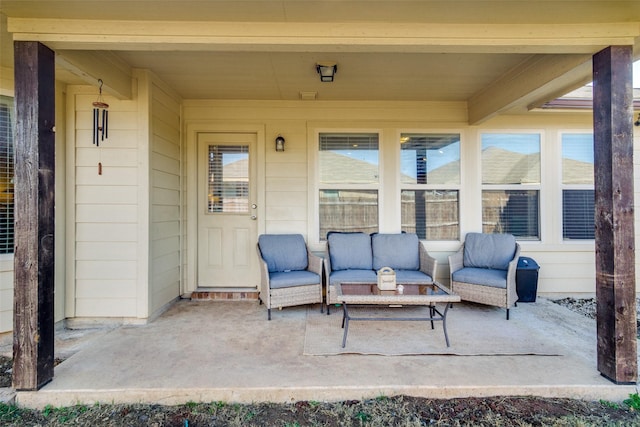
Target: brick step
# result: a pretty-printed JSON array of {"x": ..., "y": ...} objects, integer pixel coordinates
[{"x": 225, "y": 294}]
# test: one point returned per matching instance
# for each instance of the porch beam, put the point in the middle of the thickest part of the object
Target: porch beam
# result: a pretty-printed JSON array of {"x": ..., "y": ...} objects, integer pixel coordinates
[
  {"x": 527, "y": 83},
  {"x": 33, "y": 318},
  {"x": 614, "y": 215},
  {"x": 91, "y": 66},
  {"x": 585, "y": 38}
]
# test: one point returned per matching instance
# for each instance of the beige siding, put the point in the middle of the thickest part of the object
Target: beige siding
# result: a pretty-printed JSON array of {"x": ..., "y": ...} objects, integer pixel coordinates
[
  {"x": 6, "y": 293},
  {"x": 105, "y": 211},
  {"x": 6, "y": 261},
  {"x": 165, "y": 198}
]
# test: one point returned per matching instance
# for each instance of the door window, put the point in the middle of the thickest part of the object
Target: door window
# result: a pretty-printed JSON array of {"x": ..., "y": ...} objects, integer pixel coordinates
[{"x": 228, "y": 179}]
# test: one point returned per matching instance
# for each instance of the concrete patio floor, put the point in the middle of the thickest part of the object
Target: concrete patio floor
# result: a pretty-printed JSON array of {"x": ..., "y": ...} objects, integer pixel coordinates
[{"x": 227, "y": 351}]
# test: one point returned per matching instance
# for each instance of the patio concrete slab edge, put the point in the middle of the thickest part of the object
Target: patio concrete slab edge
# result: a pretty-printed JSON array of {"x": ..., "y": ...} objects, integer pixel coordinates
[
  {"x": 40, "y": 399},
  {"x": 7, "y": 395}
]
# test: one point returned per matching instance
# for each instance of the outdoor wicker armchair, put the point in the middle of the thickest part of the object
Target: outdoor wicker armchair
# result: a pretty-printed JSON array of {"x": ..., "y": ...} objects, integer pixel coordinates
[
  {"x": 484, "y": 270},
  {"x": 290, "y": 273}
]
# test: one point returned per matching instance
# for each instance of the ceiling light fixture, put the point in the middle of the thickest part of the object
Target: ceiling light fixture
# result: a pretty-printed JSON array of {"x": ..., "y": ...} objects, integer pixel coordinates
[{"x": 327, "y": 71}]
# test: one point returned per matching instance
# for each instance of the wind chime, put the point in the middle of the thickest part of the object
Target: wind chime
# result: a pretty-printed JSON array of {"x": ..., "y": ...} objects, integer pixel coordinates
[{"x": 100, "y": 122}]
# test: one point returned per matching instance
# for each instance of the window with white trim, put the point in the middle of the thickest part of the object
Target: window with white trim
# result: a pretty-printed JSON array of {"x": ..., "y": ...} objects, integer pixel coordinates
[
  {"x": 578, "y": 197},
  {"x": 430, "y": 180},
  {"x": 511, "y": 184},
  {"x": 6, "y": 174},
  {"x": 349, "y": 177}
]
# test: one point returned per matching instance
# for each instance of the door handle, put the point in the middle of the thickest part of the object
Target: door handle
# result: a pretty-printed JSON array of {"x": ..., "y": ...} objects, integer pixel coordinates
[{"x": 253, "y": 217}]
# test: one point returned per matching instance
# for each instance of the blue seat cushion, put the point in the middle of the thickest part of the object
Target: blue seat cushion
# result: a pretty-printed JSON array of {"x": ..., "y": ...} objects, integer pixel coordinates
[
  {"x": 283, "y": 252},
  {"x": 398, "y": 251},
  {"x": 292, "y": 278},
  {"x": 483, "y": 250},
  {"x": 412, "y": 276},
  {"x": 355, "y": 276},
  {"x": 481, "y": 276},
  {"x": 350, "y": 251}
]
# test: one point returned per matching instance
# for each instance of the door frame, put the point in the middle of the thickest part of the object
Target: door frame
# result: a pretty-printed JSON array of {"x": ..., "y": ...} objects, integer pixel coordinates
[{"x": 190, "y": 191}]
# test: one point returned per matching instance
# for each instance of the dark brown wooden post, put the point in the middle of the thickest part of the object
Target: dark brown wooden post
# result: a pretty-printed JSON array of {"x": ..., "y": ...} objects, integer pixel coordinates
[
  {"x": 33, "y": 321},
  {"x": 615, "y": 239}
]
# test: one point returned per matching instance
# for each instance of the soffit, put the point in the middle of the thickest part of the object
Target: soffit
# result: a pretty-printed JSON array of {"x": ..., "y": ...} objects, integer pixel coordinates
[{"x": 360, "y": 76}]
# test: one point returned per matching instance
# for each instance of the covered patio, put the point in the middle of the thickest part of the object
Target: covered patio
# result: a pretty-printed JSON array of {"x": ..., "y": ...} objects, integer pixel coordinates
[
  {"x": 246, "y": 358},
  {"x": 120, "y": 232}
]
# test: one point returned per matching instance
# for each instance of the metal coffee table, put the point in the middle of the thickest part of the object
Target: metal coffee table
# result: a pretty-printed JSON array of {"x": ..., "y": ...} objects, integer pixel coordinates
[{"x": 361, "y": 294}]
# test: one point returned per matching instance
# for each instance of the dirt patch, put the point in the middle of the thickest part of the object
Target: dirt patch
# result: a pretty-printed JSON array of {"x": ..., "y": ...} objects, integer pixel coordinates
[
  {"x": 383, "y": 411},
  {"x": 6, "y": 367}
]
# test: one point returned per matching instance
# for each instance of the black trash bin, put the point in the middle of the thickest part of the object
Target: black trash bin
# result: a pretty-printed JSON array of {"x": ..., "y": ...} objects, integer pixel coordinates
[{"x": 527, "y": 279}]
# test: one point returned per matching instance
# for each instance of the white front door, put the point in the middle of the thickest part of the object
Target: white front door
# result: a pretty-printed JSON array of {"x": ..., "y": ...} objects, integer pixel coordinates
[{"x": 227, "y": 230}]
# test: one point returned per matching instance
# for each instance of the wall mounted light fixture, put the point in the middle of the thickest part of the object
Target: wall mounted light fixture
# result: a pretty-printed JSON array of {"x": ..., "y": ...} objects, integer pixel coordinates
[
  {"x": 280, "y": 143},
  {"x": 327, "y": 71},
  {"x": 637, "y": 122}
]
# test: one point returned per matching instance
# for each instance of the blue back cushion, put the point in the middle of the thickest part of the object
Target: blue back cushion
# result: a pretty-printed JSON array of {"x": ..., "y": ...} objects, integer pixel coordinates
[
  {"x": 284, "y": 252},
  {"x": 350, "y": 251},
  {"x": 489, "y": 250},
  {"x": 398, "y": 251}
]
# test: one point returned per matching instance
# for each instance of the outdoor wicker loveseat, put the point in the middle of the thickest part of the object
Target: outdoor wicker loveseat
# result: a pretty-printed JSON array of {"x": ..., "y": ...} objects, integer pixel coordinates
[{"x": 356, "y": 257}]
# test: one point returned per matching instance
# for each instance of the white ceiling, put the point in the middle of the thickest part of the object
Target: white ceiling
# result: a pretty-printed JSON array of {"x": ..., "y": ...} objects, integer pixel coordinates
[
  {"x": 364, "y": 73},
  {"x": 360, "y": 76}
]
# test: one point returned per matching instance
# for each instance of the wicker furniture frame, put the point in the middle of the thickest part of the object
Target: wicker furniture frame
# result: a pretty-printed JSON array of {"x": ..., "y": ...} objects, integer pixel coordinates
[
  {"x": 291, "y": 295},
  {"x": 483, "y": 294}
]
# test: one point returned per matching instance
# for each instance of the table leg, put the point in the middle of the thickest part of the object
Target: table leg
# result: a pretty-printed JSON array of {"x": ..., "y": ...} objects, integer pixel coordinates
[
  {"x": 432, "y": 313},
  {"x": 345, "y": 324},
  {"x": 444, "y": 323}
]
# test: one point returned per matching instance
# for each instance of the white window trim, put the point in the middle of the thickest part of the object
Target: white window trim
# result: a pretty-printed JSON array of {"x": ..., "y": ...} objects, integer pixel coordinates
[
  {"x": 314, "y": 187},
  {"x": 433, "y": 244},
  {"x": 563, "y": 186},
  {"x": 542, "y": 203}
]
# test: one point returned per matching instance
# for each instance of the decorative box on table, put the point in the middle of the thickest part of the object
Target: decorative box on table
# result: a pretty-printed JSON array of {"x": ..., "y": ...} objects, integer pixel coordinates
[{"x": 386, "y": 279}]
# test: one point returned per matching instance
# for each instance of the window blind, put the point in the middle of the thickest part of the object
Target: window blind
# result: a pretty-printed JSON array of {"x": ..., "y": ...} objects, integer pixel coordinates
[
  {"x": 578, "y": 214},
  {"x": 348, "y": 141},
  {"x": 511, "y": 211},
  {"x": 6, "y": 175},
  {"x": 228, "y": 178}
]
